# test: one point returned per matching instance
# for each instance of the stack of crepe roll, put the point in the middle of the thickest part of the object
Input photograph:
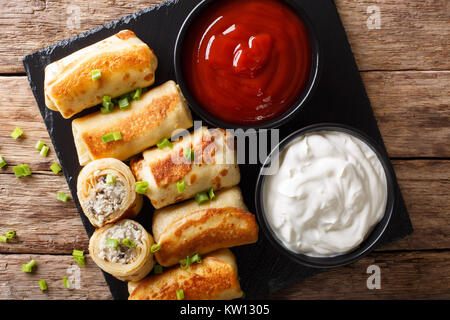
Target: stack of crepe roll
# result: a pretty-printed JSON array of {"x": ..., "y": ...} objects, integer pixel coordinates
[{"x": 201, "y": 161}]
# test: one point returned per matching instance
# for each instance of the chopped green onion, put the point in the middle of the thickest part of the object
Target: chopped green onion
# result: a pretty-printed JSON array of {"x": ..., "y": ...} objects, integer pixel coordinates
[
  {"x": 141, "y": 187},
  {"x": 96, "y": 74},
  {"x": 43, "y": 285},
  {"x": 29, "y": 266},
  {"x": 107, "y": 107},
  {"x": 196, "y": 258},
  {"x": 62, "y": 197},
  {"x": 201, "y": 197},
  {"x": 78, "y": 256},
  {"x": 129, "y": 243},
  {"x": 180, "y": 294},
  {"x": 22, "y": 170},
  {"x": 3, "y": 238},
  {"x": 110, "y": 179},
  {"x": 137, "y": 94},
  {"x": 55, "y": 168},
  {"x": 211, "y": 194},
  {"x": 189, "y": 154},
  {"x": 158, "y": 269},
  {"x": 78, "y": 253},
  {"x": 112, "y": 136},
  {"x": 80, "y": 261},
  {"x": 124, "y": 103},
  {"x": 17, "y": 133},
  {"x": 11, "y": 234},
  {"x": 106, "y": 99},
  {"x": 112, "y": 243},
  {"x": 186, "y": 263},
  {"x": 39, "y": 145},
  {"x": 156, "y": 247},
  {"x": 44, "y": 151},
  {"x": 164, "y": 143},
  {"x": 2, "y": 162},
  {"x": 67, "y": 283},
  {"x": 181, "y": 186}
]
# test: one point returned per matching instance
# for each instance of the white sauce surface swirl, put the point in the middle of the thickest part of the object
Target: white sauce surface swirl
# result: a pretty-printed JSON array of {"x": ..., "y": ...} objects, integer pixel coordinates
[{"x": 328, "y": 194}]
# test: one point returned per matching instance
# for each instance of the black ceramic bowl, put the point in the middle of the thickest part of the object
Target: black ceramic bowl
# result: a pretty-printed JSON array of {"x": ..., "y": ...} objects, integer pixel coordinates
[
  {"x": 371, "y": 239},
  {"x": 296, "y": 7}
]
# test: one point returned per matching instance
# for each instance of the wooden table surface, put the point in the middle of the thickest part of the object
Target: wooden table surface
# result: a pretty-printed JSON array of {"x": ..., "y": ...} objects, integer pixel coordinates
[{"x": 404, "y": 61}]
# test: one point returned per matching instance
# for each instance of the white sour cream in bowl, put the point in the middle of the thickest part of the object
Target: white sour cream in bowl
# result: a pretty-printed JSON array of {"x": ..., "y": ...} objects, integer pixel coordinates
[{"x": 328, "y": 194}]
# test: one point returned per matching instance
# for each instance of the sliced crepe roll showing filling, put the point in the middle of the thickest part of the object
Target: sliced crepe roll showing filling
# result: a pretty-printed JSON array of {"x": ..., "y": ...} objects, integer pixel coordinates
[
  {"x": 123, "y": 249},
  {"x": 156, "y": 115},
  {"x": 106, "y": 191},
  {"x": 188, "y": 228},
  {"x": 112, "y": 67},
  {"x": 215, "y": 278},
  {"x": 194, "y": 163}
]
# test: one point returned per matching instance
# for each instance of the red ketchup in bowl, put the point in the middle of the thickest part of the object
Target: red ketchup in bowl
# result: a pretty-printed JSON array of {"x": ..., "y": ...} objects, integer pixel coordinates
[{"x": 247, "y": 61}]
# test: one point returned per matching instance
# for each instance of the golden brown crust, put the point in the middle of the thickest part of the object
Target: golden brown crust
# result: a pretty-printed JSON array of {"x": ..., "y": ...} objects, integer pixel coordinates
[
  {"x": 125, "y": 34},
  {"x": 213, "y": 279},
  {"x": 204, "y": 231}
]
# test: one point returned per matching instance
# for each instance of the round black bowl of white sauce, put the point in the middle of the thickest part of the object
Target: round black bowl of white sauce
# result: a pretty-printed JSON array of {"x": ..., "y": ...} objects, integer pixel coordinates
[{"x": 328, "y": 196}]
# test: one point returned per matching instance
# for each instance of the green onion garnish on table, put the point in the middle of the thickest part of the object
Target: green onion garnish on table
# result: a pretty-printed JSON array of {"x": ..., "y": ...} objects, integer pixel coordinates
[
  {"x": 22, "y": 170},
  {"x": 2, "y": 162},
  {"x": 156, "y": 247},
  {"x": 43, "y": 285},
  {"x": 129, "y": 243},
  {"x": 3, "y": 238},
  {"x": 67, "y": 283},
  {"x": 44, "y": 151},
  {"x": 39, "y": 145},
  {"x": 110, "y": 179},
  {"x": 11, "y": 234},
  {"x": 112, "y": 243},
  {"x": 137, "y": 94},
  {"x": 78, "y": 256},
  {"x": 29, "y": 266},
  {"x": 181, "y": 186},
  {"x": 96, "y": 74},
  {"x": 180, "y": 294},
  {"x": 124, "y": 103},
  {"x": 201, "y": 197},
  {"x": 62, "y": 197},
  {"x": 164, "y": 143},
  {"x": 17, "y": 133},
  {"x": 112, "y": 136},
  {"x": 55, "y": 168},
  {"x": 141, "y": 187}
]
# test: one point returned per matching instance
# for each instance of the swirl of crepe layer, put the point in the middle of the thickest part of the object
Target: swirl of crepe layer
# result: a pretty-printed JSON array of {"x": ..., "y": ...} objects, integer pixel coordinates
[
  {"x": 105, "y": 203},
  {"x": 156, "y": 115},
  {"x": 214, "y": 164},
  {"x": 125, "y": 62},
  {"x": 216, "y": 278},
  {"x": 123, "y": 262},
  {"x": 189, "y": 228}
]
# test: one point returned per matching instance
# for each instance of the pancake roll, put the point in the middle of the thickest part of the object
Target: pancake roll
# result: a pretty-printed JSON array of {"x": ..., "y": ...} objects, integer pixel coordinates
[
  {"x": 188, "y": 228},
  {"x": 198, "y": 161},
  {"x": 112, "y": 67},
  {"x": 123, "y": 249},
  {"x": 215, "y": 278},
  {"x": 156, "y": 115},
  {"x": 106, "y": 191}
]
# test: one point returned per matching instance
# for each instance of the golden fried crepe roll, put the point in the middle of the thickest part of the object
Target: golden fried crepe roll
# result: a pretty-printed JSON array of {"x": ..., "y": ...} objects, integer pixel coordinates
[
  {"x": 123, "y": 250},
  {"x": 213, "y": 164},
  {"x": 189, "y": 228},
  {"x": 106, "y": 190},
  {"x": 156, "y": 115},
  {"x": 125, "y": 64},
  {"x": 216, "y": 278}
]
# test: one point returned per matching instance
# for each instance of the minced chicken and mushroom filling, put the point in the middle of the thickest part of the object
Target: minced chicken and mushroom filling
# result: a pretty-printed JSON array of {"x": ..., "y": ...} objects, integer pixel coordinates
[
  {"x": 122, "y": 253},
  {"x": 105, "y": 198}
]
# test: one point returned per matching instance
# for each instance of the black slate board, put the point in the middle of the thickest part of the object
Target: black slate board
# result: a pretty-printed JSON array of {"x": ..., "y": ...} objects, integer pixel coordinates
[{"x": 340, "y": 97}]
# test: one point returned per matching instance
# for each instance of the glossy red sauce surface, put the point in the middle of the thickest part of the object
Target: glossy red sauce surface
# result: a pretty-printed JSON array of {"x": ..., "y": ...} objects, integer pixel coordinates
[{"x": 247, "y": 61}]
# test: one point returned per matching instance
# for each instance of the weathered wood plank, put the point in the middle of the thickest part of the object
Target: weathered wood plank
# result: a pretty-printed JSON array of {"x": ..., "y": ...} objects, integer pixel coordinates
[
  {"x": 412, "y": 35},
  {"x": 404, "y": 275},
  {"x": 45, "y": 225},
  {"x": 88, "y": 281},
  {"x": 412, "y": 109}
]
